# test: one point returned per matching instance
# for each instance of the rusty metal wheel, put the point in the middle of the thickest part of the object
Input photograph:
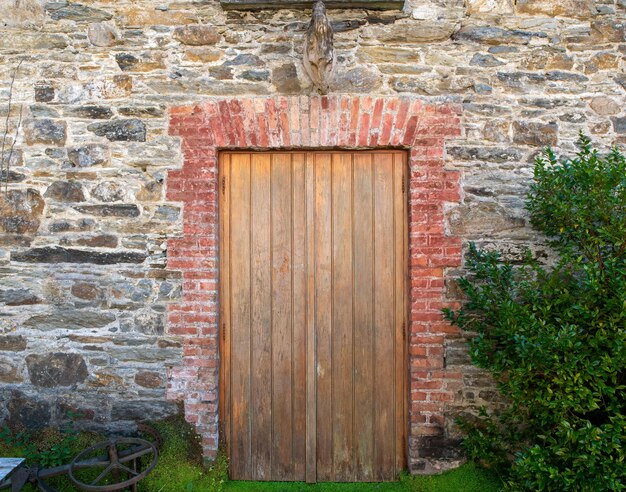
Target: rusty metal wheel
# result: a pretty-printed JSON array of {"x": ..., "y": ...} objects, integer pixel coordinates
[
  {"x": 150, "y": 431},
  {"x": 127, "y": 460}
]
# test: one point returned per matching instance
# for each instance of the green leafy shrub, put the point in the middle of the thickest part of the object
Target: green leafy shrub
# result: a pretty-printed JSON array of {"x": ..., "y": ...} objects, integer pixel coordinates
[
  {"x": 45, "y": 448},
  {"x": 555, "y": 337}
]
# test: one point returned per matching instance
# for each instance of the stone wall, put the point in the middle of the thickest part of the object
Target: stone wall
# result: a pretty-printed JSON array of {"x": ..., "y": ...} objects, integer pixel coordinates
[{"x": 85, "y": 219}]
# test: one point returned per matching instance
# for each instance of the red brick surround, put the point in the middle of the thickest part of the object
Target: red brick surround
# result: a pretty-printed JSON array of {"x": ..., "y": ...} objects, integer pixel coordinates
[{"x": 314, "y": 122}]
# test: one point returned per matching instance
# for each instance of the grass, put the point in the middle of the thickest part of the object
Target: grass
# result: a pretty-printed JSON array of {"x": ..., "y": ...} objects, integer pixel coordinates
[
  {"x": 180, "y": 469},
  {"x": 467, "y": 478}
]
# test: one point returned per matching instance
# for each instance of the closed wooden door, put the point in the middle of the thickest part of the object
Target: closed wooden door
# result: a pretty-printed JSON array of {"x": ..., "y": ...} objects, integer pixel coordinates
[{"x": 313, "y": 311}]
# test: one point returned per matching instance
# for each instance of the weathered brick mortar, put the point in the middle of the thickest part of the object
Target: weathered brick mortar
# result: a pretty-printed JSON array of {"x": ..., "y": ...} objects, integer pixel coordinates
[{"x": 86, "y": 228}]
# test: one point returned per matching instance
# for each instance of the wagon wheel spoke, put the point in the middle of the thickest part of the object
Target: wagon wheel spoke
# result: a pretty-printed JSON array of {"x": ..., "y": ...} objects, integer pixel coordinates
[
  {"x": 136, "y": 454},
  {"x": 93, "y": 462},
  {"x": 133, "y": 473},
  {"x": 103, "y": 474},
  {"x": 100, "y": 461},
  {"x": 121, "y": 467}
]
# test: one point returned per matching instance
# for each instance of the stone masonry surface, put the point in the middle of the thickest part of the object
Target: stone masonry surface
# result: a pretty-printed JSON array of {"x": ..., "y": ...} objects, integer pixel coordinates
[{"x": 110, "y": 208}]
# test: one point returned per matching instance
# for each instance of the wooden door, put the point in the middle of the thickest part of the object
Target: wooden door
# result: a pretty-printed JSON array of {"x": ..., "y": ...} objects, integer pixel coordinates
[{"x": 313, "y": 310}]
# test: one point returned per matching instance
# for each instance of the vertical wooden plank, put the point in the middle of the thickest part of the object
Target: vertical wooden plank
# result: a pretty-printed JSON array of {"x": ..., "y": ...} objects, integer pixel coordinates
[
  {"x": 342, "y": 342},
  {"x": 400, "y": 278},
  {"x": 311, "y": 356},
  {"x": 323, "y": 314},
  {"x": 240, "y": 312},
  {"x": 384, "y": 333},
  {"x": 298, "y": 326},
  {"x": 224, "y": 300},
  {"x": 281, "y": 291},
  {"x": 261, "y": 325},
  {"x": 363, "y": 207}
]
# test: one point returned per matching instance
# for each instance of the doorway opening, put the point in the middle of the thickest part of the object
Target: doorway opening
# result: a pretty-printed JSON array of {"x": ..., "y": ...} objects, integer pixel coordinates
[{"x": 313, "y": 312}]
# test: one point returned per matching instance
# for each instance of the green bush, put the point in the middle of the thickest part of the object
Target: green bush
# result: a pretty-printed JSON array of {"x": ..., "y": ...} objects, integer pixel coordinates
[
  {"x": 555, "y": 337},
  {"x": 45, "y": 448}
]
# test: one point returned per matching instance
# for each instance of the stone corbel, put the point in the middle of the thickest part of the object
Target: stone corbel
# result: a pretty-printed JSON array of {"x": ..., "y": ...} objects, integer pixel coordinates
[{"x": 319, "y": 57}]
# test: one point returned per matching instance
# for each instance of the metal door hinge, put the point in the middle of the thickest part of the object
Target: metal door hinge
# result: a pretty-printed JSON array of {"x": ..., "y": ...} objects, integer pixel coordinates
[
  {"x": 223, "y": 331},
  {"x": 403, "y": 185},
  {"x": 223, "y": 184}
]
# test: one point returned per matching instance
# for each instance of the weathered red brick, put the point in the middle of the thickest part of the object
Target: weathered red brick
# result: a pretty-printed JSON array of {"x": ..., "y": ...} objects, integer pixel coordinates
[
  {"x": 262, "y": 131},
  {"x": 364, "y": 130}
]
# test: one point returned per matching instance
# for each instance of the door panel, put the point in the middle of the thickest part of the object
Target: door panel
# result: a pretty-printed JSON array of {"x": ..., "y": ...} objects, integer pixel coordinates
[
  {"x": 282, "y": 316},
  {"x": 313, "y": 310},
  {"x": 240, "y": 316},
  {"x": 363, "y": 317},
  {"x": 323, "y": 313},
  {"x": 261, "y": 323},
  {"x": 342, "y": 319},
  {"x": 383, "y": 307}
]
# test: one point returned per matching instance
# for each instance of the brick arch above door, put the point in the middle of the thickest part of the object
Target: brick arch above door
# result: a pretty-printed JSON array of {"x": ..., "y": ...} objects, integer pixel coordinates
[{"x": 317, "y": 122}]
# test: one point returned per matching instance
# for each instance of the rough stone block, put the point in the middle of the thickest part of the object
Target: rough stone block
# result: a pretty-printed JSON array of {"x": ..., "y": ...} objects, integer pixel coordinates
[
  {"x": 425, "y": 31},
  {"x": 65, "y": 191},
  {"x": 109, "y": 191},
  {"x": 149, "y": 379},
  {"x": 96, "y": 89},
  {"x": 63, "y": 255},
  {"x": 85, "y": 291},
  {"x": 32, "y": 413},
  {"x": 143, "y": 410},
  {"x": 9, "y": 371},
  {"x": 13, "y": 343},
  {"x": 496, "y": 7},
  {"x": 357, "y": 80},
  {"x": 485, "y": 60},
  {"x": 150, "y": 323},
  {"x": 64, "y": 10},
  {"x": 22, "y": 13},
  {"x": 535, "y": 134},
  {"x": 496, "y": 35},
  {"x": 88, "y": 155},
  {"x": 102, "y": 34},
  {"x": 56, "y": 369},
  {"x": 140, "y": 16},
  {"x": 565, "y": 8},
  {"x": 98, "y": 241},
  {"x": 22, "y": 41},
  {"x": 44, "y": 92},
  {"x": 285, "y": 79},
  {"x": 20, "y": 211},
  {"x": 195, "y": 35},
  {"x": 89, "y": 112},
  {"x": 483, "y": 218},
  {"x": 70, "y": 319},
  {"x": 122, "y": 130},
  {"x": 388, "y": 54},
  {"x": 144, "y": 62},
  {"x": 619, "y": 124},
  {"x": 121, "y": 210},
  {"x": 607, "y": 30},
  {"x": 488, "y": 154},
  {"x": 45, "y": 131}
]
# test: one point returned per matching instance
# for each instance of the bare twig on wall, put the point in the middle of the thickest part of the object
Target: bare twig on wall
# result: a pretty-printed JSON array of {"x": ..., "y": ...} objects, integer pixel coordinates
[
  {"x": 4, "y": 169},
  {"x": 17, "y": 133}
]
